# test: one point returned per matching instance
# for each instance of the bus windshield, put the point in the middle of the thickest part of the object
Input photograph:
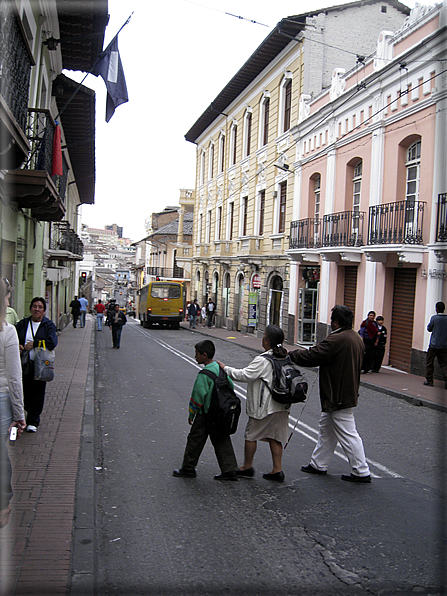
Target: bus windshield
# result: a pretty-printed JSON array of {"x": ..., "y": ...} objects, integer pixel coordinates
[{"x": 163, "y": 291}]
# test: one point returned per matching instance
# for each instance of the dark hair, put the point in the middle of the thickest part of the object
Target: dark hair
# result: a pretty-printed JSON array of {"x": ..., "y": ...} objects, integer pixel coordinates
[
  {"x": 371, "y": 312},
  {"x": 343, "y": 315},
  {"x": 38, "y": 299},
  {"x": 440, "y": 307},
  {"x": 379, "y": 318},
  {"x": 275, "y": 335},
  {"x": 207, "y": 347}
]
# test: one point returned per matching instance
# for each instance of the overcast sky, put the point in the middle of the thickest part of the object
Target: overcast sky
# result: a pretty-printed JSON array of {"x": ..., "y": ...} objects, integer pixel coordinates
[{"x": 177, "y": 56}]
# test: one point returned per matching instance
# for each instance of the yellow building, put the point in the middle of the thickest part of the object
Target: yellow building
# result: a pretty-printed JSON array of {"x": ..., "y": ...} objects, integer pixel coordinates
[{"x": 244, "y": 199}]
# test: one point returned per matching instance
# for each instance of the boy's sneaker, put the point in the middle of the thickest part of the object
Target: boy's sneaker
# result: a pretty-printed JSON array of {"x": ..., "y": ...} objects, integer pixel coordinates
[
  {"x": 184, "y": 473},
  {"x": 31, "y": 428}
]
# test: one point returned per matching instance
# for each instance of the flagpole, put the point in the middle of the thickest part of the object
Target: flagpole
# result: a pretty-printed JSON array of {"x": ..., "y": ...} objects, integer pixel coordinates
[{"x": 75, "y": 92}]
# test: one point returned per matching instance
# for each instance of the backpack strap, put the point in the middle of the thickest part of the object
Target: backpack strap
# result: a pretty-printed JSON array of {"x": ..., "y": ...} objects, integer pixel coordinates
[{"x": 208, "y": 373}]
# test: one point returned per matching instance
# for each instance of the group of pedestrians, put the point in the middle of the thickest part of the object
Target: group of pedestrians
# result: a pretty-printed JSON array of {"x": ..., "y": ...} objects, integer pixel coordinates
[
  {"x": 79, "y": 310},
  {"x": 20, "y": 391},
  {"x": 374, "y": 334},
  {"x": 339, "y": 356},
  {"x": 207, "y": 313}
]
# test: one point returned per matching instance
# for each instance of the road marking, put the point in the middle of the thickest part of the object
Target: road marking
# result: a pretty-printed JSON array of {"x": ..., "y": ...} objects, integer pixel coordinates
[{"x": 242, "y": 393}]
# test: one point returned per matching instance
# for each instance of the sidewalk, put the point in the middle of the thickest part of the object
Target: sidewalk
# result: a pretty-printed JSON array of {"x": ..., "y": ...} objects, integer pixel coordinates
[
  {"x": 36, "y": 546},
  {"x": 47, "y": 548},
  {"x": 390, "y": 381}
]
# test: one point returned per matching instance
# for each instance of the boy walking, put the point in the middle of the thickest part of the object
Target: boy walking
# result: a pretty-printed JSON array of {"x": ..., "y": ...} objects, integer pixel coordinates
[{"x": 199, "y": 405}]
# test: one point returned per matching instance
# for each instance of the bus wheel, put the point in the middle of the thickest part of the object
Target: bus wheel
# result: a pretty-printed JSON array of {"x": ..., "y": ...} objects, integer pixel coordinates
[{"x": 176, "y": 325}]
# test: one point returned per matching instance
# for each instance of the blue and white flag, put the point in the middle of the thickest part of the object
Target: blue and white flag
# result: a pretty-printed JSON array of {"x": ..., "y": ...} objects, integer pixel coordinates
[{"x": 109, "y": 67}]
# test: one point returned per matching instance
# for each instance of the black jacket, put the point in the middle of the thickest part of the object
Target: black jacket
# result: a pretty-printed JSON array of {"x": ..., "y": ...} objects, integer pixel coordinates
[
  {"x": 111, "y": 319},
  {"x": 46, "y": 331}
]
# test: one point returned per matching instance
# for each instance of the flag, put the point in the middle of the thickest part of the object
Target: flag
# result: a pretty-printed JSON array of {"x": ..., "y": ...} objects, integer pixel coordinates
[
  {"x": 56, "y": 166},
  {"x": 109, "y": 67}
]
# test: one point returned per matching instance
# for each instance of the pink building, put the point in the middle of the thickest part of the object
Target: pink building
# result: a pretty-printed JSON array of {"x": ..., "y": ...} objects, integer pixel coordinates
[{"x": 369, "y": 223}]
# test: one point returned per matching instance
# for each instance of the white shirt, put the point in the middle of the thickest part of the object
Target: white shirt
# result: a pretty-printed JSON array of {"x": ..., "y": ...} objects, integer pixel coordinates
[
  {"x": 11, "y": 370},
  {"x": 29, "y": 336}
]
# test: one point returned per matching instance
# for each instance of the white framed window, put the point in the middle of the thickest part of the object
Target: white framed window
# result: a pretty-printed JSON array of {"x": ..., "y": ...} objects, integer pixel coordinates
[
  {"x": 199, "y": 228},
  {"x": 285, "y": 103},
  {"x": 208, "y": 227},
  {"x": 233, "y": 143},
  {"x": 356, "y": 195},
  {"x": 264, "y": 120},
  {"x": 202, "y": 167},
  {"x": 413, "y": 171},
  {"x": 230, "y": 220},
  {"x": 246, "y": 141},
  {"x": 218, "y": 229},
  {"x": 211, "y": 161},
  {"x": 221, "y": 156},
  {"x": 243, "y": 217},
  {"x": 260, "y": 213},
  {"x": 317, "y": 207}
]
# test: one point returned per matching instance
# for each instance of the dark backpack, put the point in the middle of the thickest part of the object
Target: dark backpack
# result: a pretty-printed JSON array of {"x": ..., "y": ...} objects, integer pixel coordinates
[
  {"x": 289, "y": 385},
  {"x": 225, "y": 407}
]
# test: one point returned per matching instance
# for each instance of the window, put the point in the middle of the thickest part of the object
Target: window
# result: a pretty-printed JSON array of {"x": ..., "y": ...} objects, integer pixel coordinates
[
  {"x": 412, "y": 165},
  {"x": 282, "y": 207},
  {"x": 356, "y": 188},
  {"x": 221, "y": 163},
  {"x": 230, "y": 220},
  {"x": 233, "y": 144},
  {"x": 317, "y": 204},
  {"x": 211, "y": 161},
  {"x": 202, "y": 167},
  {"x": 247, "y": 133},
  {"x": 244, "y": 209},
  {"x": 219, "y": 223},
  {"x": 287, "y": 104},
  {"x": 208, "y": 226},
  {"x": 265, "y": 115},
  {"x": 261, "y": 212},
  {"x": 199, "y": 229}
]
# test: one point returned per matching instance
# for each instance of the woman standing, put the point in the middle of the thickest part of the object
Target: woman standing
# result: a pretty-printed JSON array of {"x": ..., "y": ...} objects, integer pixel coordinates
[
  {"x": 11, "y": 399},
  {"x": 31, "y": 330},
  {"x": 267, "y": 419}
]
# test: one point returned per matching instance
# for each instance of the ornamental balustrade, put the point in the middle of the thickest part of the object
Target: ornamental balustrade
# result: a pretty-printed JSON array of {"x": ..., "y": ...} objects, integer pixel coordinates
[
  {"x": 400, "y": 222},
  {"x": 441, "y": 223},
  {"x": 62, "y": 237}
]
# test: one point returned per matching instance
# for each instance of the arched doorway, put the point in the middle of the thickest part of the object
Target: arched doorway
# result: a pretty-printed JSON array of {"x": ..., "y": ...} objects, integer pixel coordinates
[{"x": 275, "y": 301}]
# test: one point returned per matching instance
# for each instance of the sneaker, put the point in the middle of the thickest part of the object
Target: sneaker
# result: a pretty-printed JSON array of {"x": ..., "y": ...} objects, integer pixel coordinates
[{"x": 31, "y": 428}]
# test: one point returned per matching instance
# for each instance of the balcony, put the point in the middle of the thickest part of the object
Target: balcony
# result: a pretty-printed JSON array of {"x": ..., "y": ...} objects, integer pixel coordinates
[
  {"x": 166, "y": 272},
  {"x": 440, "y": 245},
  {"x": 65, "y": 244},
  {"x": 343, "y": 229},
  {"x": 304, "y": 233},
  {"x": 16, "y": 63},
  {"x": 33, "y": 187}
]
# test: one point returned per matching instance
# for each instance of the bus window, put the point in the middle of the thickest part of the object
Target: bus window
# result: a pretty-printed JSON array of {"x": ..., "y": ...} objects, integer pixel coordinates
[{"x": 165, "y": 291}]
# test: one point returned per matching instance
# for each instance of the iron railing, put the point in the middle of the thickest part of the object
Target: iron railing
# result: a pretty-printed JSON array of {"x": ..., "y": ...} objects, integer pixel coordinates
[
  {"x": 343, "y": 229},
  {"x": 305, "y": 233},
  {"x": 62, "y": 237},
  {"x": 173, "y": 272},
  {"x": 396, "y": 223},
  {"x": 441, "y": 223},
  {"x": 15, "y": 65},
  {"x": 40, "y": 133}
]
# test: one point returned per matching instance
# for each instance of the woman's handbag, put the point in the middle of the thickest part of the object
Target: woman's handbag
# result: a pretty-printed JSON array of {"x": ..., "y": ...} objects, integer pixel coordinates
[
  {"x": 43, "y": 363},
  {"x": 27, "y": 364}
]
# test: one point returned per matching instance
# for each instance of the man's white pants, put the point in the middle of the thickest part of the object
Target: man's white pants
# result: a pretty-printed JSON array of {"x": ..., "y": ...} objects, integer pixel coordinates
[{"x": 339, "y": 426}]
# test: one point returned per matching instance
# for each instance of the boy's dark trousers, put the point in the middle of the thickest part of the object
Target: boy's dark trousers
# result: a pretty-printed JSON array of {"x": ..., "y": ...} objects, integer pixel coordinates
[{"x": 195, "y": 443}]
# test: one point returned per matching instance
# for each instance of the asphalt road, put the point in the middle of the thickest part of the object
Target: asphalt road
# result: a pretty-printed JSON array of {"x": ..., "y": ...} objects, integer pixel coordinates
[{"x": 160, "y": 535}]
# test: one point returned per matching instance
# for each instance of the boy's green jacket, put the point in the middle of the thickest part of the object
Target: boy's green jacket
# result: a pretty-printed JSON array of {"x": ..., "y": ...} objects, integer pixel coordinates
[{"x": 202, "y": 391}]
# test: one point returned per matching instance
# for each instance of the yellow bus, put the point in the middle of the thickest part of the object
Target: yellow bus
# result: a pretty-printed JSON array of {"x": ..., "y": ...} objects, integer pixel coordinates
[{"x": 162, "y": 302}]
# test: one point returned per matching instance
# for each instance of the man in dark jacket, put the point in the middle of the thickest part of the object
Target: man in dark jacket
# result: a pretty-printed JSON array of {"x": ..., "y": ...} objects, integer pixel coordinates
[
  {"x": 75, "y": 306},
  {"x": 339, "y": 357},
  {"x": 116, "y": 321}
]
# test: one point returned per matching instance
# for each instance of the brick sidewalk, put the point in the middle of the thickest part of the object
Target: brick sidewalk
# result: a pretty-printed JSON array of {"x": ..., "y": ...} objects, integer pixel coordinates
[{"x": 36, "y": 545}]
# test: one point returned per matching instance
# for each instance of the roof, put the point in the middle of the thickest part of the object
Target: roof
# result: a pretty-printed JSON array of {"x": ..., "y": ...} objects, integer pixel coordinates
[
  {"x": 82, "y": 25},
  {"x": 272, "y": 45},
  {"x": 78, "y": 122},
  {"x": 171, "y": 229}
]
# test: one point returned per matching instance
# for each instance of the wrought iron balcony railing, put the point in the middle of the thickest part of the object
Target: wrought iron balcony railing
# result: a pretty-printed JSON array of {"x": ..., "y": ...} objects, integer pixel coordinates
[
  {"x": 15, "y": 67},
  {"x": 174, "y": 273},
  {"x": 343, "y": 229},
  {"x": 441, "y": 224},
  {"x": 396, "y": 223},
  {"x": 305, "y": 233},
  {"x": 64, "y": 238}
]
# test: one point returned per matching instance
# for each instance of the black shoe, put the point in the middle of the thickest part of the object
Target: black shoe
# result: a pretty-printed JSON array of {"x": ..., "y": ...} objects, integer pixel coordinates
[
  {"x": 311, "y": 470},
  {"x": 354, "y": 478},
  {"x": 248, "y": 473},
  {"x": 277, "y": 477},
  {"x": 445, "y": 383},
  {"x": 184, "y": 473},
  {"x": 117, "y": 347},
  {"x": 428, "y": 383},
  {"x": 232, "y": 475}
]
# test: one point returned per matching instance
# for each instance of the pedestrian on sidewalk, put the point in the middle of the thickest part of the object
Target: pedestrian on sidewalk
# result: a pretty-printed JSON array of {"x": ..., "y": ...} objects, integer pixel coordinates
[
  {"x": 339, "y": 357},
  {"x": 199, "y": 405},
  {"x": 193, "y": 311},
  {"x": 99, "y": 310},
  {"x": 379, "y": 352},
  {"x": 83, "y": 310},
  {"x": 438, "y": 345},
  {"x": 12, "y": 413},
  {"x": 75, "y": 306},
  {"x": 210, "y": 309},
  {"x": 368, "y": 332},
  {"x": 203, "y": 313},
  {"x": 31, "y": 330},
  {"x": 116, "y": 321},
  {"x": 267, "y": 419}
]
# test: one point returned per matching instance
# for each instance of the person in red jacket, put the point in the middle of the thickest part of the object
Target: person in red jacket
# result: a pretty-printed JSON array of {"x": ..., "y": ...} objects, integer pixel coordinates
[
  {"x": 100, "y": 309},
  {"x": 369, "y": 333}
]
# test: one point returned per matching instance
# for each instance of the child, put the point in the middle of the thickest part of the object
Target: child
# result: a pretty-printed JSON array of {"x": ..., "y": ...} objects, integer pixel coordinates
[
  {"x": 198, "y": 408},
  {"x": 203, "y": 312}
]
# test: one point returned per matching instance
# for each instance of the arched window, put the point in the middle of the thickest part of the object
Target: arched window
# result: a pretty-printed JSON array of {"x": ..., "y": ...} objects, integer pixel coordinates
[
  {"x": 264, "y": 118},
  {"x": 413, "y": 165},
  {"x": 211, "y": 161},
  {"x": 247, "y": 133},
  {"x": 285, "y": 103},
  {"x": 221, "y": 158},
  {"x": 233, "y": 143}
]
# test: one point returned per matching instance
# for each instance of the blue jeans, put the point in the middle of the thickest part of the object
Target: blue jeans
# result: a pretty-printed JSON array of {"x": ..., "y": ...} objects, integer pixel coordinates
[
  {"x": 5, "y": 464},
  {"x": 99, "y": 318},
  {"x": 116, "y": 335},
  {"x": 192, "y": 320},
  {"x": 83, "y": 313}
]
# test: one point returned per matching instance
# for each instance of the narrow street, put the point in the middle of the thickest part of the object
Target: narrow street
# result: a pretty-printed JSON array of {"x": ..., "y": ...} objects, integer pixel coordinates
[{"x": 156, "y": 534}]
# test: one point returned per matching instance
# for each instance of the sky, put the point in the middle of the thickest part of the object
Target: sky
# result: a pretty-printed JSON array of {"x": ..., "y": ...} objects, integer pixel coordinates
[{"x": 177, "y": 55}]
